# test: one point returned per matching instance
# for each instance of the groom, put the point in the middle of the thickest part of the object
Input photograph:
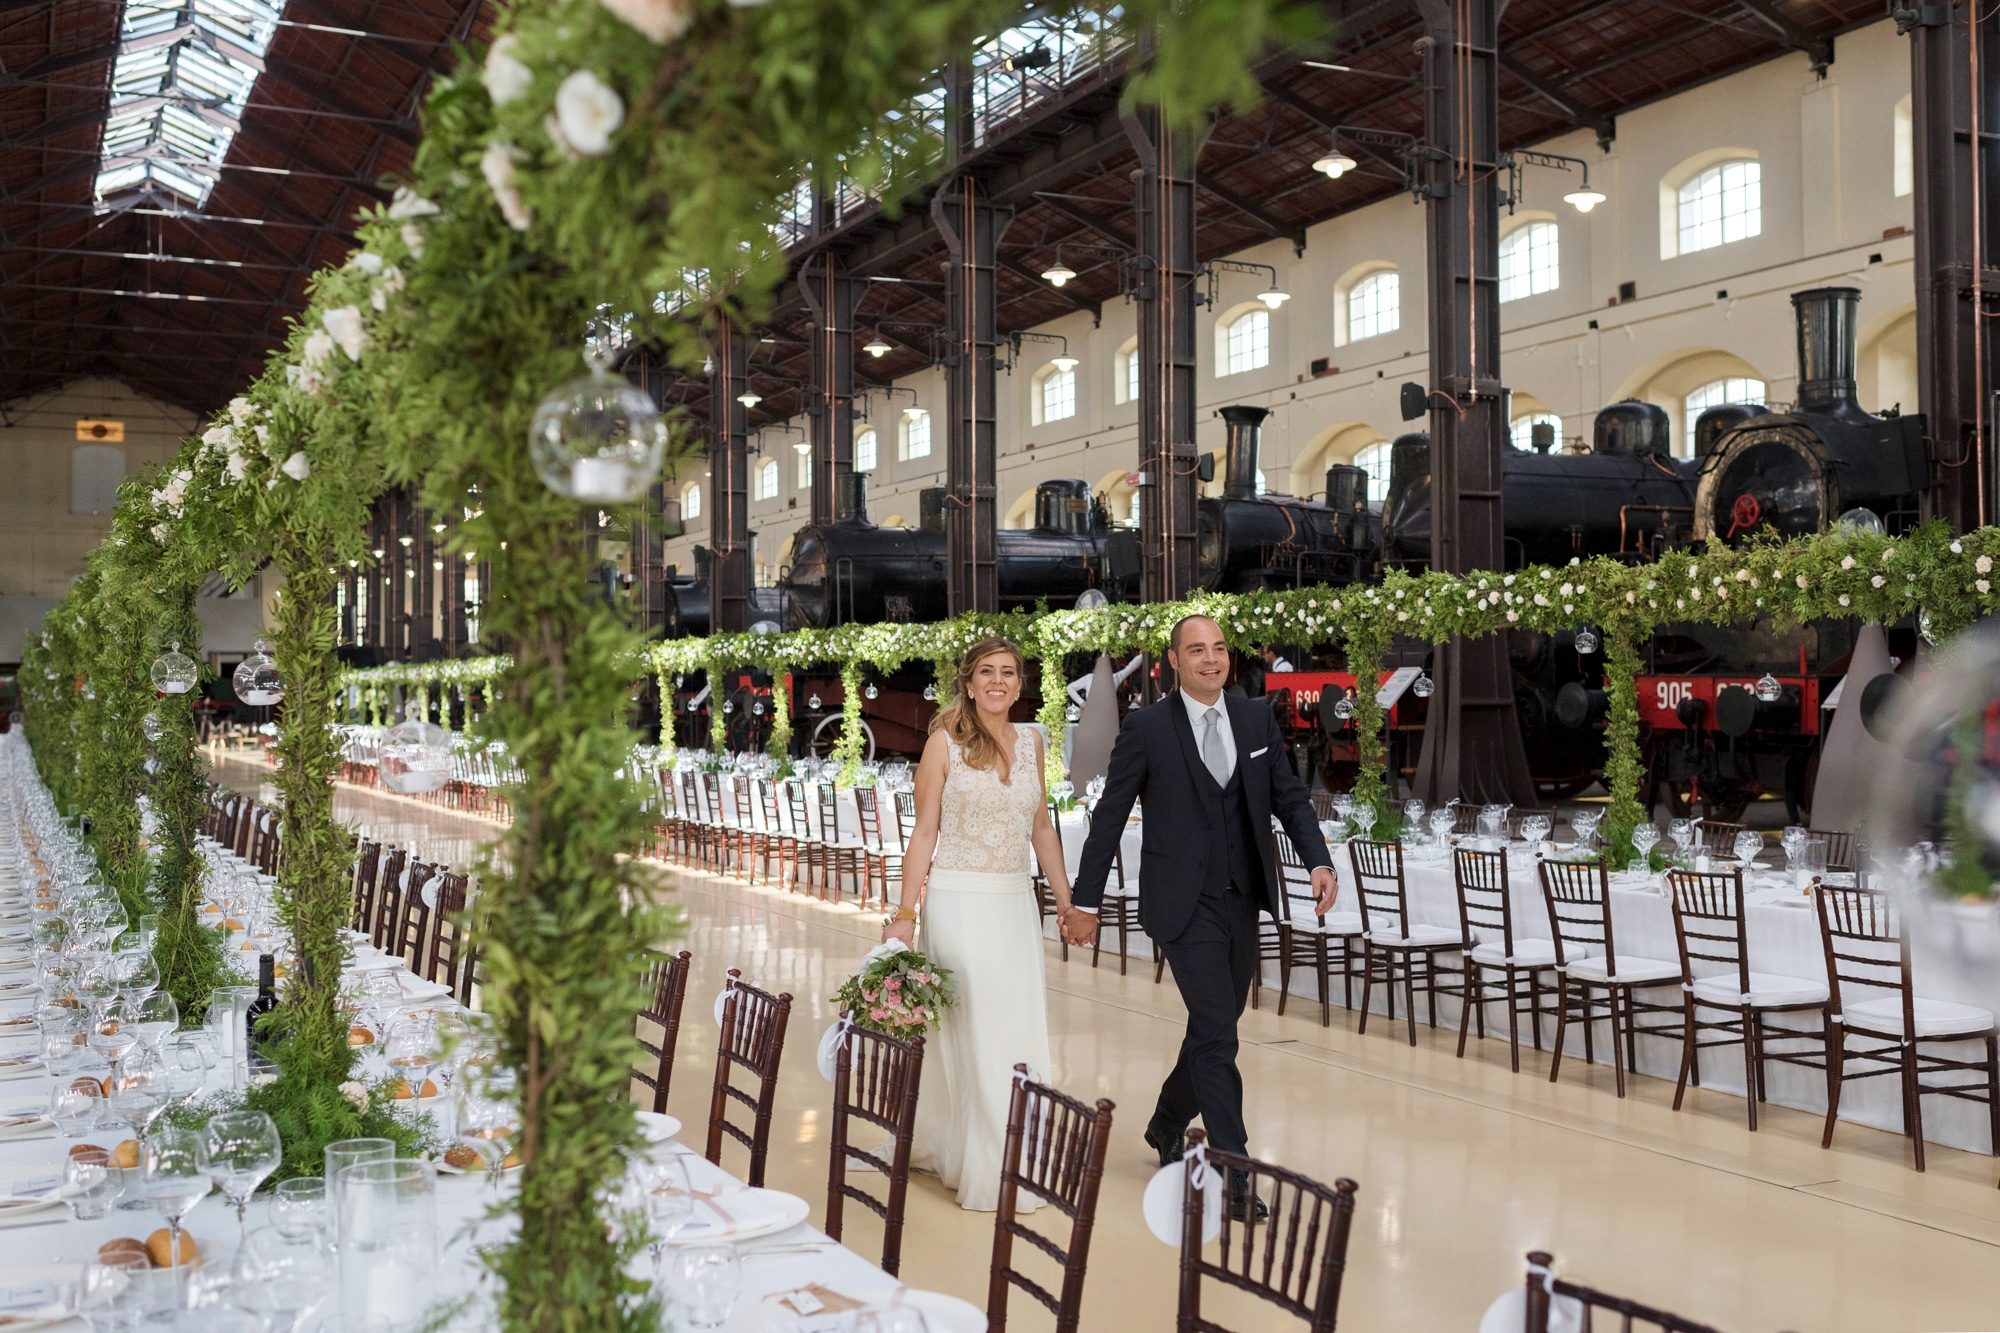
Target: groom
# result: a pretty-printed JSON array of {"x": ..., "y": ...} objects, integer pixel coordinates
[{"x": 1212, "y": 771}]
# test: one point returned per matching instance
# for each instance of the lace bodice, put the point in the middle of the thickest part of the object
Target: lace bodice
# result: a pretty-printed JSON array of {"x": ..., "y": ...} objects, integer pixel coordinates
[{"x": 985, "y": 823}]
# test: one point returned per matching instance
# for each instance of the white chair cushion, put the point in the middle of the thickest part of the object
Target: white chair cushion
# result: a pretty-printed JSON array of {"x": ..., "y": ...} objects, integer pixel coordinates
[
  {"x": 1935, "y": 1018},
  {"x": 1419, "y": 936},
  {"x": 1766, "y": 990},
  {"x": 1527, "y": 953},
  {"x": 1336, "y": 923},
  {"x": 1630, "y": 970}
]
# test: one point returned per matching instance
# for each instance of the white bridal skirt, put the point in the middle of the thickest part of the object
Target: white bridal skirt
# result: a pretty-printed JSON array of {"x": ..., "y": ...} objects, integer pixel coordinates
[{"x": 987, "y": 930}]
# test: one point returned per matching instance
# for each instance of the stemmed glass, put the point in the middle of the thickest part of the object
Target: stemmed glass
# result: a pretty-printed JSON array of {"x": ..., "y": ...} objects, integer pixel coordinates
[
  {"x": 138, "y": 976},
  {"x": 243, "y": 1148},
  {"x": 411, "y": 1048},
  {"x": 1363, "y": 818},
  {"x": 1585, "y": 823},
  {"x": 173, "y": 1173},
  {"x": 185, "y": 1067},
  {"x": 1793, "y": 838},
  {"x": 1748, "y": 844},
  {"x": 1343, "y": 805},
  {"x": 1413, "y": 813},
  {"x": 153, "y": 1017},
  {"x": 669, "y": 1200},
  {"x": 1441, "y": 821},
  {"x": 111, "y": 1035},
  {"x": 1535, "y": 829},
  {"x": 1680, "y": 833},
  {"x": 485, "y": 1114},
  {"x": 1644, "y": 838}
]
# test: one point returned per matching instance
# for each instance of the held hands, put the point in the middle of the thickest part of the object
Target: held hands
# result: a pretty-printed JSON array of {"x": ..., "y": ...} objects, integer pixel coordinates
[
  {"x": 1077, "y": 926},
  {"x": 1326, "y": 887}
]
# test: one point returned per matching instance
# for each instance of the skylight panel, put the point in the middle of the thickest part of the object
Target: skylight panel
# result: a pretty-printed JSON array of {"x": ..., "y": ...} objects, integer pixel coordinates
[{"x": 178, "y": 88}]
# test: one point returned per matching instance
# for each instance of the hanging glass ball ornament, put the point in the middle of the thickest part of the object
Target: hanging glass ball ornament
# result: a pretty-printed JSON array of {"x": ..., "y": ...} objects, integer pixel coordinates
[
  {"x": 598, "y": 439},
  {"x": 728, "y": 707},
  {"x": 1343, "y": 708},
  {"x": 256, "y": 679},
  {"x": 871, "y": 693},
  {"x": 757, "y": 709},
  {"x": 1072, "y": 712},
  {"x": 415, "y": 757},
  {"x": 813, "y": 702},
  {"x": 1586, "y": 641},
  {"x": 1767, "y": 689},
  {"x": 151, "y": 727},
  {"x": 1422, "y": 687},
  {"x": 174, "y": 672},
  {"x": 930, "y": 694}
]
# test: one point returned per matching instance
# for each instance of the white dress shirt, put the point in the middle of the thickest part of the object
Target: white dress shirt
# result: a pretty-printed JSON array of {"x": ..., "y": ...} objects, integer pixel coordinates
[
  {"x": 1281, "y": 665},
  {"x": 1197, "y": 716}
]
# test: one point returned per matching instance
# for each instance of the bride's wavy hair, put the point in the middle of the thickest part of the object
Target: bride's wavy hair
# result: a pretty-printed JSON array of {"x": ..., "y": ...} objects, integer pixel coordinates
[{"x": 959, "y": 719}]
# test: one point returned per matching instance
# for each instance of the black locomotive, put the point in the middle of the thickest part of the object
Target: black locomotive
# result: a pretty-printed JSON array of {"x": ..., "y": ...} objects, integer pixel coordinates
[{"x": 1246, "y": 542}]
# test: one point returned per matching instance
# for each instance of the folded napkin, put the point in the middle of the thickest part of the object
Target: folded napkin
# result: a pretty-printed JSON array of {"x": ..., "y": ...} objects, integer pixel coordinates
[{"x": 730, "y": 1212}]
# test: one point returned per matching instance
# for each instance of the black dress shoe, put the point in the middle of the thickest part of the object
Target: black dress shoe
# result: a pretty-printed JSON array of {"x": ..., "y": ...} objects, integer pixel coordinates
[
  {"x": 1243, "y": 1205},
  {"x": 1167, "y": 1139}
]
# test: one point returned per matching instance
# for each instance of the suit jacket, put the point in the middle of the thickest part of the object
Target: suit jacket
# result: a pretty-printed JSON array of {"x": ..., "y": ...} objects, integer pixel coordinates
[{"x": 1156, "y": 760}]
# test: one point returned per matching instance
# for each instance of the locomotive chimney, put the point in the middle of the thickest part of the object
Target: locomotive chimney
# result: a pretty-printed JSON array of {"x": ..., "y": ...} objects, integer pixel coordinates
[
  {"x": 1827, "y": 337},
  {"x": 1239, "y": 471},
  {"x": 852, "y": 500}
]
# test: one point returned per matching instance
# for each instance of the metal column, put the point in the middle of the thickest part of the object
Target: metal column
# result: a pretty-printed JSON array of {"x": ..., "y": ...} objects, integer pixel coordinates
[
  {"x": 1163, "y": 209},
  {"x": 831, "y": 296},
  {"x": 1956, "y": 251},
  {"x": 729, "y": 483},
  {"x": 1472, "y": 740}
]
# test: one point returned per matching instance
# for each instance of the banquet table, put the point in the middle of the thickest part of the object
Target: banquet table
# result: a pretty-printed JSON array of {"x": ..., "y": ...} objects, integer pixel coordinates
[{"x": 794, "y": 1258}]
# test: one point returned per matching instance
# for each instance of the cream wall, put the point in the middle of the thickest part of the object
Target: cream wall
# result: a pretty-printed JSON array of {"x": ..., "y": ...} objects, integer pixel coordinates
[{"x": 1826, "y": 151}]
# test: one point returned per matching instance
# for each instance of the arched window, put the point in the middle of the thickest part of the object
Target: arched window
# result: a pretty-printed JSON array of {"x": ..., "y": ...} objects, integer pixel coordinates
[
  {"x": 1528, "y": 261},
  {"x": 914, "y": 438},
  {"x": 1522, "y": 432},
  {"x": 1249, "y": 342},
  {"x": 1903, "y": 159},
  {"x": 1374, "y": 460},
  {"x": 1125, "y": 377},
  {"x": 1736, "y": 389},
  {"x": 864, "y": 451},
  {"x": 1722, "y": 204},
  {"x": 767, "y": 479},
  {"x": 1056, "y": 394},
  {"x": 691, "y": 503},
  {"x": 1375, "y": 306},
  {"x": 805, "y": 471}
]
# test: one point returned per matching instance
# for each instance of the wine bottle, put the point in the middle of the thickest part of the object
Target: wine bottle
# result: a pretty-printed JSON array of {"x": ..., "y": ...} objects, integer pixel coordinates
[{"x": 266, "y": 1001}]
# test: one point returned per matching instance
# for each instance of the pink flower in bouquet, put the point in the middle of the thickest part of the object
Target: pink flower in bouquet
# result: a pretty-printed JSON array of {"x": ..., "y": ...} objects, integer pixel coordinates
[
  {"x": 879, "y": 1015},
  {"x": 893, "y": 985}
]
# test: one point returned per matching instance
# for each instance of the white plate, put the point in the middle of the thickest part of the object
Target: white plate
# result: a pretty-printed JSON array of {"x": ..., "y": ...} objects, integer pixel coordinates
[
  {"x": 788, "y": 1211},
  {"x": 32, "y": 1069},
  {"x": 33, "y": 1214},
  {"x": 29, "y": 1274},
  {"x": 34, "y": 1129},
  {"x": 380, "y": 962},
  {"x": 942, "y": 1313},
  {"x": 656, "y": 1127}
]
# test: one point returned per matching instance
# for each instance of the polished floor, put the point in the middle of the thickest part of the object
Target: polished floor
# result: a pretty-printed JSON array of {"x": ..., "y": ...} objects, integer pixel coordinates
[{"x": 1463, "y": 1166}]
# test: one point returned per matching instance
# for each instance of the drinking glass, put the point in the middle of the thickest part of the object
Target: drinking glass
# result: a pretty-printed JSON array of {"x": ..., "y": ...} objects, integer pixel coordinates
[
  {"x": 90, "y": 1182},
  {"x": 347, "y": 1152},
  {"x": 669, "y": 1200},
  {"x": 1441, "y": 821},
  {"x": 485, "y": 1114},
  {"x": 1413, "y": 812},
  {"x": 75, "y": 1107},
  {"x": 1680, "y": 832},
  {"x": 1343, "y": 804},
  {"x": 1748, "y": 844},
  {"x": 243, "y": 1148},
  {"x": 154, "y": 1016},
  {"x": 1811, "y": 862},
  {"x": 113, "y": 1292},
  {"x": 1363, "y": 817},
  {"x": 173, "y": 1176},
  {"x": 112, "y": 1034},
  {"x": 298, "y": 1210},
  {"x": 388, "y": 1250},
  {"x": 139, "y": 1093},
  {"x": 411, "y": 1047},
  {"x": 1644, "y": 838},
  {"x": 705, "y": 1281},
  {"x": 281, "y": 1281},
  {"x": 1791, "y": 840},
  {"x": 138, "y": 976},
  {"x": 1535, "y": 829},
  {"x": 186, "y": 1067}
]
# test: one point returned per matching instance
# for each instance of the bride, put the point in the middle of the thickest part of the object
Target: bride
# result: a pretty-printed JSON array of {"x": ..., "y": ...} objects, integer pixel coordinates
[{"x": 980, "y": 803}]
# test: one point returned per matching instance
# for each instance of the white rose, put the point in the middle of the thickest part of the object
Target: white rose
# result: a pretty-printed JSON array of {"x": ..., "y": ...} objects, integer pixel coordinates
[
  {"x": 367, "y": 261},
  {"x": 1983, "y": 586},
  {"x": 1541, "y": 600},
  {"x": 392, "y": 279},
  {"x": 346, "y": 327},
  {"x": 407, "y": 203},
  {"x": 1742, "y": 576},
  {"x": 1802, "y": 580},
  {"x": 660, "y": 20},
  {"x": 1958, "y": 548},
  {"x": 506, "y": 77},
  {"x": 413, "y": 237},
  {"x": 241, "y": 410},
  {"x": 296, "y": 467},
  {"x": 589, "y": 112},
  {"x": 161, "y": 532},
  {"x": 215, "y": 435},
  {"x": 1984, "y": 564},
  {"x": 1513, "y": 615},
  {"x": 379, "y": 299},
  {"x": 306, "y": 379},
  {"x": 174, "y": 493},
  {"x": 319, "y": 346},
  {"x": 1843, "y": 599},
  {"x": 235, "y": 465},
  {"x": 1847, "y": 562},
  {"x": 1876, "y": 582},
  {"x": 497, "y": 165},
  {"x": 356, "y": 1095},
  {"x": 1568, "y": 590}
]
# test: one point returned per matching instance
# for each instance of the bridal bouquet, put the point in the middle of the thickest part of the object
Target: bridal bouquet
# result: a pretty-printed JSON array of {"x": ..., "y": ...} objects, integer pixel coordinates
[{"x": 897, "y": 991}]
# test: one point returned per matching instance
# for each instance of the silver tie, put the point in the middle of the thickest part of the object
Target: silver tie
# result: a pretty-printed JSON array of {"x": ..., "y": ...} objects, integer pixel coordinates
[{"x": 1212, "y": 752}]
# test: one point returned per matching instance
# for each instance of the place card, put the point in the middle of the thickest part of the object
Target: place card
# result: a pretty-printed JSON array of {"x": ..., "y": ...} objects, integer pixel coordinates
[
  {"x": 815, "y": 1299},
  {"x": 36, "y": 1188},
  {"x": 29, "y": 1296}
]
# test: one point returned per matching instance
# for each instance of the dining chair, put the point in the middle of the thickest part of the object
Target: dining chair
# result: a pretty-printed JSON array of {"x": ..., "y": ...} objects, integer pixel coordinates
[
  {"x": 366, "y": 863},
  {"x": 810, "y": 848},
  {"x": 1119, "y": 908},
  {"x": 778, "y": 843},
  {"x": 1710, "y": 931},
  {"x": 1303, "y": 1258},
  {"x": 1867, "y": 949},
  {"x": 875, "y": 1082},
  {"x": 1545, "y": 1290},
  {"x": 906, "y": 817},
  {"x": 1323, "y": 805},
  {"x": 665, "y": 979},
  {"x": 1045, "y": 900},
  {"x": 689, "y": 834},
  {"x": 879, "y": 864},
  {"x": 1718, "y": 838},
  {"x": 717, "y": 836},
  {"x": 753, "y": 1037},
  {"x": 407, "y": 940},
  {"x": 1305, "y": 938},
  {"x": 388, "y": 897},
  {"x": 1055, "y": 1151},
  {"x": 1578, "y": 897},
  {"x": 1486, "y": 915},
  {"x": 1395, "y": 948},
  {"x": 1839, "y": 847},
  {"x": 838, "y": 855},
  {"x": 442, "y": 938}
]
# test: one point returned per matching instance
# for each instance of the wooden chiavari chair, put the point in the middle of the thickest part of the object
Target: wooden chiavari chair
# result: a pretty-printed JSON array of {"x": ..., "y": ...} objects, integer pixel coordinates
[
  {"x": 753, "y": 1036},
  {"x": 1545, "y": 1290},
  {"x": 1118, "y": 910},
  {"x": 1299, "y": 1266},
  {"x": 838, "y": 855},
  {"x": 685, "y": 828},
  {"x": 1868, "y": 949},
  {"x": 779, "y": 843},
  {"x": 1055, "y": 1151},
  {"x": 810, "y": 849},
  {"x": 878, "y": 863},
  {"x": 1323, "y": 805},
  {"x": 666, "y": 982},
  {"x": 875, "y": 1082},
  {"x": 1578, "y": 897},
  {"x": 1718, "y": 838},
  {"x": 1839, "y": 847},
  {"x": 1305, "y": 938},
  {"x": 1396, "y": 949},
  {"x": 388, "y": 897},
  {"x": 1709, "y": 928},
  {"x": 717, "y": 836},
  {"x": 1486, "y": 913},
  {"x": 410, "y": 937},
  {"x": 245, "y": 826},
  {"x": 366, "y": 863},
  {"x": 442, "y": 935}
]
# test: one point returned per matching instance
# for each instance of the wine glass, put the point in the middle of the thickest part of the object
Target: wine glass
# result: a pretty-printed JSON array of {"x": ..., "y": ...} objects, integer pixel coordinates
[
  {"x": 1441, "y": 821},
  {"x": 138, "y": 976},
  {"x": 705, "y": 1280},
  {"x": 411, "y": 1048},
  {"x": 1644, "y": 838},
  {"x": 669, "y": 1200},
  {"x": 485, "y": 1114},
  {"x": 1413, "y": 813},
  {"x": 1793, "y": 838},
  {"x": 242, "y": 1148},
  {"x": 153, "y": 1017},
  {"x": 1363, "y": 817},
  {"x": 1748, "y": 844},
  {"x": 1680, "y": 832},
  {"x": 185, "y": 1065},
  {"x": 299, "y": 1211},
  {"x": 112, "y": 1035},
  {"x": 139, "y": 1093},
  {"x": 1535, "y": 829},
  {"x": 280, "y": 1280},
  {"x": 1343, "y": 804},
  {"x": 173, "y": 1175}
]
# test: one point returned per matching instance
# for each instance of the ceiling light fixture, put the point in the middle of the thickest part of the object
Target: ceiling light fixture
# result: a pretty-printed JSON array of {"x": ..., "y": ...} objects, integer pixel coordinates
[
  {"x": 748, "y": 399},
  {"x": 1585, "y": 199},
  {"x": 803, "y": 446},
  {"x": 1064, "y": 363},
  {"x": 876, "y": 347},
  {"x": 1058, "y": 273},
  {"x": 1273, "y": 298},
  {"x": 1335, "y": 163}
]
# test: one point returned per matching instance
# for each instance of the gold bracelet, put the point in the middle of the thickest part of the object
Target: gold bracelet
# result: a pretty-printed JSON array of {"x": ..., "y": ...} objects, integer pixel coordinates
[{"x": 905, "y": 912}]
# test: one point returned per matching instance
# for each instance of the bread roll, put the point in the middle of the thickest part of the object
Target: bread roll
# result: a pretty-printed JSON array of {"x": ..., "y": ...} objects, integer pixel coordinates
[{"x": 159, "y": 1248}]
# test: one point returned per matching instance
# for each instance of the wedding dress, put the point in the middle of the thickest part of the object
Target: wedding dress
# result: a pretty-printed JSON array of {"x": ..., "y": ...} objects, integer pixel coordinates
[{"x": 980, "y": 920}]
